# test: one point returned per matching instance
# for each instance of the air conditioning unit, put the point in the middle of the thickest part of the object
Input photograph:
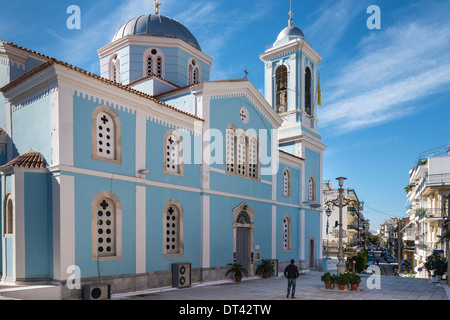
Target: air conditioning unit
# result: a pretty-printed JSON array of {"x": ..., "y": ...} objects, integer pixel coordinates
[
  {"x": 181, "y": 275},
  {"x": 97, "y": 292},
  {"x": 274, "y": 263}
]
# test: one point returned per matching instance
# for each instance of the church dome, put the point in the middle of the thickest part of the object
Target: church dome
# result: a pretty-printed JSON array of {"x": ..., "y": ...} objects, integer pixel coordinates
[
  {"x": 155, "y": 25},
  {"x": 290, "y": 32}
]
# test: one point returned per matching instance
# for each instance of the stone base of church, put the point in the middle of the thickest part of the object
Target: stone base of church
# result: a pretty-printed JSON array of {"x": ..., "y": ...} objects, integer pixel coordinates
[{"x": 141, "y": 282}]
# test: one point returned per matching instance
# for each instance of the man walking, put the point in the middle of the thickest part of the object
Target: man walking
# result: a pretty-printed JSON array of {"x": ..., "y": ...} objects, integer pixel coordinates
[{"x": 291, "y": 273}]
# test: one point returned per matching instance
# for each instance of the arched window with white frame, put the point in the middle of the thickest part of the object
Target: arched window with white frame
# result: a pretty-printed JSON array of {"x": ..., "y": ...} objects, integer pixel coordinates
[
  {"x": 193, "y": 71},
  {"x": 154, "y": 62},
  {"x": 311, "y": 189},
  {"x": 173, "y": 153},
  {"x": 9, "y": 215},
  {"x": 241, "y": 152},
  {"x": 230, "y": 152},
  {"x": 173, "y": 229},
  {"x": 106, "y": 135},
  {"x": 281, "y": 89},
  {"x": 287, "y": 233},
  {"x": 287, "y": 182},
  {"x": 106, "y": 217},
  {"x": 114, "y": 68},
  {"x": 253, "y": 159},
  {"x": 308, "y": 91}
]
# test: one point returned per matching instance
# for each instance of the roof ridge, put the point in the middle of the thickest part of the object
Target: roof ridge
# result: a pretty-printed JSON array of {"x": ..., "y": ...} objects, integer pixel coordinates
[
  {"x": 90, "y": 74},
  {"x": 150, "y": 76}
]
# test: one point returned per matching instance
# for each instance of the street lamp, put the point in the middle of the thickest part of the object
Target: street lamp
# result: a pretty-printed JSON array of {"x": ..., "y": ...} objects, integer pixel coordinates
[
  {"x": 340, "y": 202},
  {"x": 328, "y": 212}
]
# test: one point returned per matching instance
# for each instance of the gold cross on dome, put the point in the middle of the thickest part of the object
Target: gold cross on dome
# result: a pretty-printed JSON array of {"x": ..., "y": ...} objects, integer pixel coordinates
[
  {"x": 157, "y": 5},
  {"x": 290, "y": 18}
]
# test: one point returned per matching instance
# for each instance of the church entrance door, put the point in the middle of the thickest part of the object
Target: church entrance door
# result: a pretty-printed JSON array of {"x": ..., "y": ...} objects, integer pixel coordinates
[{"x": 242, "y": 247}]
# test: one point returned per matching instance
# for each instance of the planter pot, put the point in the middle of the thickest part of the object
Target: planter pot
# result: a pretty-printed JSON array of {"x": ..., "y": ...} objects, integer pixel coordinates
[
  {"x": 265, "y": 274},
  {"x": 343, "y": 287},
  {"x": 354, "y": 287},
  {"x": 237, "y": 278},
  {"x": 328, "y": 286}
]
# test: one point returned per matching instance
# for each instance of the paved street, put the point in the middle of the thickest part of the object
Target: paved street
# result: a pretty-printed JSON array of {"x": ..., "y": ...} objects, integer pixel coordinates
[{"x": 309, "y": 287}]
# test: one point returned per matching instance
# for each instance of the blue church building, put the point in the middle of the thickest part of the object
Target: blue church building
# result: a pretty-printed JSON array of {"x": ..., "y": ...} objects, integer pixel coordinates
[{"x": 150, "y": 164}]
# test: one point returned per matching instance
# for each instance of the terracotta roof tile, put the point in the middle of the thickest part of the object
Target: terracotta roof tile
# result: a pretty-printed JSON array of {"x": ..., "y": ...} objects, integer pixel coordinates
[{"x": 30, "y": 159}]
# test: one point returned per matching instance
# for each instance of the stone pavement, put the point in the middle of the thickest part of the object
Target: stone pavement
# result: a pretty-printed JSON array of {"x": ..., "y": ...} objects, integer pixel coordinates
[{"x": 309, "y": 287}]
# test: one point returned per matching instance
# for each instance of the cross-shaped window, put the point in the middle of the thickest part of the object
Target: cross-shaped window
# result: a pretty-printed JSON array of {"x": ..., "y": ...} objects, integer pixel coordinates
[
  {"x": 170, "y": 210},
  {"x": 104, "y": 204},
  {"x": 104, "y": 119}
]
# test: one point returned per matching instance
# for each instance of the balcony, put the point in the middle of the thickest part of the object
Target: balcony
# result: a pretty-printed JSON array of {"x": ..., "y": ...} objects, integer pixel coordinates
[{"x": 430, "y": 180}]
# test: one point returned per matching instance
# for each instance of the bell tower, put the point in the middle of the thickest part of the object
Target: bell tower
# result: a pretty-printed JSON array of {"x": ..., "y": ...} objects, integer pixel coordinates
[{"x": 290, "y": 86}]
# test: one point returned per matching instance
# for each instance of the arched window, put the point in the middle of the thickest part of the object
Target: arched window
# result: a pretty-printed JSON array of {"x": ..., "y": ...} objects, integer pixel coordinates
[
  {"x": 281, "y": 89},
  {"x": 286, "y": 232},
  {"x": 308, "y": 93},
  {"x": 173, "y": 153},
  {"x": 287, "y": 182},
  {"x": 173, "y": 229},
  {"x": 114, "y": 68},
  {"x": 253, "y": 160},
  {"x": 311, "y": 189},
  {"x": 193, "y": 71},
  {"x": 106, "y": 135},
  {"x": 9, "y": 215},
  {"x": 154, "y": 62},
  {"x": 230, "y": 149},
  {"x": 241, "y": 155},
  {"x": 106, "y": 227}
]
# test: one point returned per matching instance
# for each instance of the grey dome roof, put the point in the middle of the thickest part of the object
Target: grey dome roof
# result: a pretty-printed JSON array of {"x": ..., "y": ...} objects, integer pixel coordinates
[
  {"x": 290, "y": 32},
  {"x": 155, "y": 25}
]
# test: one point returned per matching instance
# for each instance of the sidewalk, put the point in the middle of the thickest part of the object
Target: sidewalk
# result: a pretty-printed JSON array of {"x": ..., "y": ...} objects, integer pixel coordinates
[{"x": 309, "y": 287}]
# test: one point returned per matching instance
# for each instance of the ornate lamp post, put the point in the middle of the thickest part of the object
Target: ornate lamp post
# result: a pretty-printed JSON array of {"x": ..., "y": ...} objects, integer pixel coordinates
[{"x": 340, "y": 202}]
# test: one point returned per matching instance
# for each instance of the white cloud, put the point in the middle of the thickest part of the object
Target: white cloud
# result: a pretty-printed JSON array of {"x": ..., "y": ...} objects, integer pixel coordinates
[
  {"x": 392, "y": 70},
  {"x": 332, "y": 22}
]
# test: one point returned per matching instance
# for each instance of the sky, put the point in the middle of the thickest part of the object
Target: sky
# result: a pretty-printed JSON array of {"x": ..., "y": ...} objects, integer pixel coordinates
[{"x": 385, "y": 96}]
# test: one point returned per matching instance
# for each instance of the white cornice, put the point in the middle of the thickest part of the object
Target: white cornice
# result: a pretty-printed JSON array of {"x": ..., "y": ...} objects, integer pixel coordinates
[
  {"x": 233, "y": 87},
  {"x": 153, "y": 42},
  {"x": 296, "y": 44}
]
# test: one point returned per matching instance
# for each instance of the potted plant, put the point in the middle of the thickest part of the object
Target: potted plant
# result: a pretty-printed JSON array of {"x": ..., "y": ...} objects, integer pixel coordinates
[
  {"x": 354, "y": 280},
  {"x": 342, "y": 281},
  {"x": 238, "y": 270},
  {"x": 265, "y": 268},
  {"x": 328, "y": 279}
]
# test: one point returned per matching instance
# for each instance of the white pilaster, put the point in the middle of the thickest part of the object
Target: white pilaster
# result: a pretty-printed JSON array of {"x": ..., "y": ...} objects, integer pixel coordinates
[
  {"x": 205, "y": 232},
  {"x": 302, "y": 235},
  {"x": 19, "y": 224},
  {"x": 268, "y": 87},
  {"x": 274, "y": 232},
  {"x": 292, "y": 84},
  {"x": 141, "y": 134},
  {"x": 62, "y": 126},
  {"x": 63, "y": 197},
  {"x": 141, "y": 237}
]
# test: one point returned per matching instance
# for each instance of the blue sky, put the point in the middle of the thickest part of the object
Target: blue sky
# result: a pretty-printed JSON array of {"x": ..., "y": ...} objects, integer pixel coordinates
[{"x": 384, "y": 92}]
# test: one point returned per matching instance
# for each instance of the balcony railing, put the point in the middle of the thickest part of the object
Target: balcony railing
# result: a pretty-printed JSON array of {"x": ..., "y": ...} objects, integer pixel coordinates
[{"x": 432, "y": 180}]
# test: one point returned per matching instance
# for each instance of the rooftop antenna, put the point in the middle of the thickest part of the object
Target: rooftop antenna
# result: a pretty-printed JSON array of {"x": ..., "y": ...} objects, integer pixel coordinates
[{"x": 246, "y": 73}]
